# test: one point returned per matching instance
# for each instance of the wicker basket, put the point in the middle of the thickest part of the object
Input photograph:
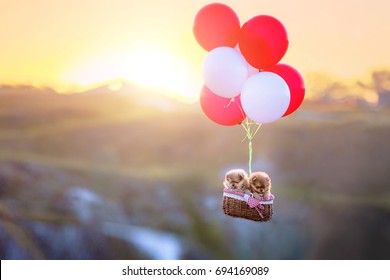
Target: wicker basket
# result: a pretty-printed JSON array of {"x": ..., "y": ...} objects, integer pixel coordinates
[{"x": 236, "y": 204}]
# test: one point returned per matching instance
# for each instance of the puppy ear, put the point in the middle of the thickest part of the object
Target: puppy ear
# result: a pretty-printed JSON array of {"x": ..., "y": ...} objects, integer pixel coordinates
[{"x": 254, "y": 179}]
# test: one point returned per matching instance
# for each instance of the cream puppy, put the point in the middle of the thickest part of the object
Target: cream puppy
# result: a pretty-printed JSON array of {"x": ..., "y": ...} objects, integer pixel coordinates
[
  {"x": 260, "y": 184},
  {"x": 237, "y": 179}
]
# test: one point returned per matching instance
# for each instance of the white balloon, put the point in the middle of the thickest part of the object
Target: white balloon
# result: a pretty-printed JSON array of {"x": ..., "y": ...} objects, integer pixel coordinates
[
  {"x": 225, "y": 71},
  {"x": 265, "y": 97}
]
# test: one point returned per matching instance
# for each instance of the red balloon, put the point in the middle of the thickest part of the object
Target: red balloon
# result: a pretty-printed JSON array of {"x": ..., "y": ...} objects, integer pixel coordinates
[
  {"x": 221, "y": 110},
  {"x": 263, "y": 41},
  {"x": 295, "y": 83},
  {"x": 216, "y": 25}
]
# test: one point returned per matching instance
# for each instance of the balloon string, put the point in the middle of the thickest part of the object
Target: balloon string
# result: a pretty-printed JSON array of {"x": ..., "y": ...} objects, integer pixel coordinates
[
  {"x": 250, "y": 150},
  {"x": 258, "y": 127},
  {"x": 249, "y": 136},
  {"x": 242, "y": 111}
]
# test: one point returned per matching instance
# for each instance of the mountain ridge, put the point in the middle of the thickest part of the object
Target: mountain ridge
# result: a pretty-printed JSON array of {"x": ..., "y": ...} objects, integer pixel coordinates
[{"x": 118, "y": 90}]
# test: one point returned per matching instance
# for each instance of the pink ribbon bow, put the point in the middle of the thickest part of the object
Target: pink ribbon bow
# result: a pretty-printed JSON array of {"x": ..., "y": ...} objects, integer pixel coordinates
[{"x": 254, "y": 203}]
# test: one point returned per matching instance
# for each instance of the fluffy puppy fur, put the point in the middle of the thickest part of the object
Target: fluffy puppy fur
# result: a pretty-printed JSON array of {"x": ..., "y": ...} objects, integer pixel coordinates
[
  {"x": 260, "y": 184},
  {"x": 237, "y": 179}
]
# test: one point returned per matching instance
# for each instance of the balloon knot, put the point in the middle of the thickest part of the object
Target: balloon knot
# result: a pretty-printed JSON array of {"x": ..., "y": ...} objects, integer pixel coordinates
[{"x": 230, "y": 102}]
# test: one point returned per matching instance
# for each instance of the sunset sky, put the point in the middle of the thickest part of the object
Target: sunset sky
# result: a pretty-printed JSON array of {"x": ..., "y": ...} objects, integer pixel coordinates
[{"x": 72, "y": 44}]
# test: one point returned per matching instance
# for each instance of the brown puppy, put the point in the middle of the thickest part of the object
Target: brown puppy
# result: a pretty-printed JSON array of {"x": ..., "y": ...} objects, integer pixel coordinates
[
  {"x": 237, "y": 179},
  {"x": 260, "y": 185}
]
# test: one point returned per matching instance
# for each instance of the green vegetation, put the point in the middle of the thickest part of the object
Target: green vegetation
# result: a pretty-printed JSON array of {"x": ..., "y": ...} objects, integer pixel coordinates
[{"x": 161, "y": 166}]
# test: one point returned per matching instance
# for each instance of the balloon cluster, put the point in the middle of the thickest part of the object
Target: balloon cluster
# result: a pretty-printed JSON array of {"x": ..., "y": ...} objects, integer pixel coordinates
[{"x": 242, "y": 74}]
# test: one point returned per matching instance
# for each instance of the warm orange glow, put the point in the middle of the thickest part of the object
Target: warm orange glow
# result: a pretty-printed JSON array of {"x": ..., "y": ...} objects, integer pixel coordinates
[
  {"x": 148, "y": 65},
  {"x": 72, "y": 44}
]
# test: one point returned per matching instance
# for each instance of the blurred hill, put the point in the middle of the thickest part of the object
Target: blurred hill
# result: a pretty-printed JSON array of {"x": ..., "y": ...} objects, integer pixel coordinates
[{"x": 79, "y": 170}]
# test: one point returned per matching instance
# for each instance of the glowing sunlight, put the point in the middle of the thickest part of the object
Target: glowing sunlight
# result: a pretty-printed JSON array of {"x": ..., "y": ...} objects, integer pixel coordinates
[{"x": 145, "y": 64}]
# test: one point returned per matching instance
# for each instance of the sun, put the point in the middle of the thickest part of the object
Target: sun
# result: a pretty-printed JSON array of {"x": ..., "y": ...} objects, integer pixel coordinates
[
  {"x": 161, "y": 68},
  {"x": 148, "y": 65}
]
